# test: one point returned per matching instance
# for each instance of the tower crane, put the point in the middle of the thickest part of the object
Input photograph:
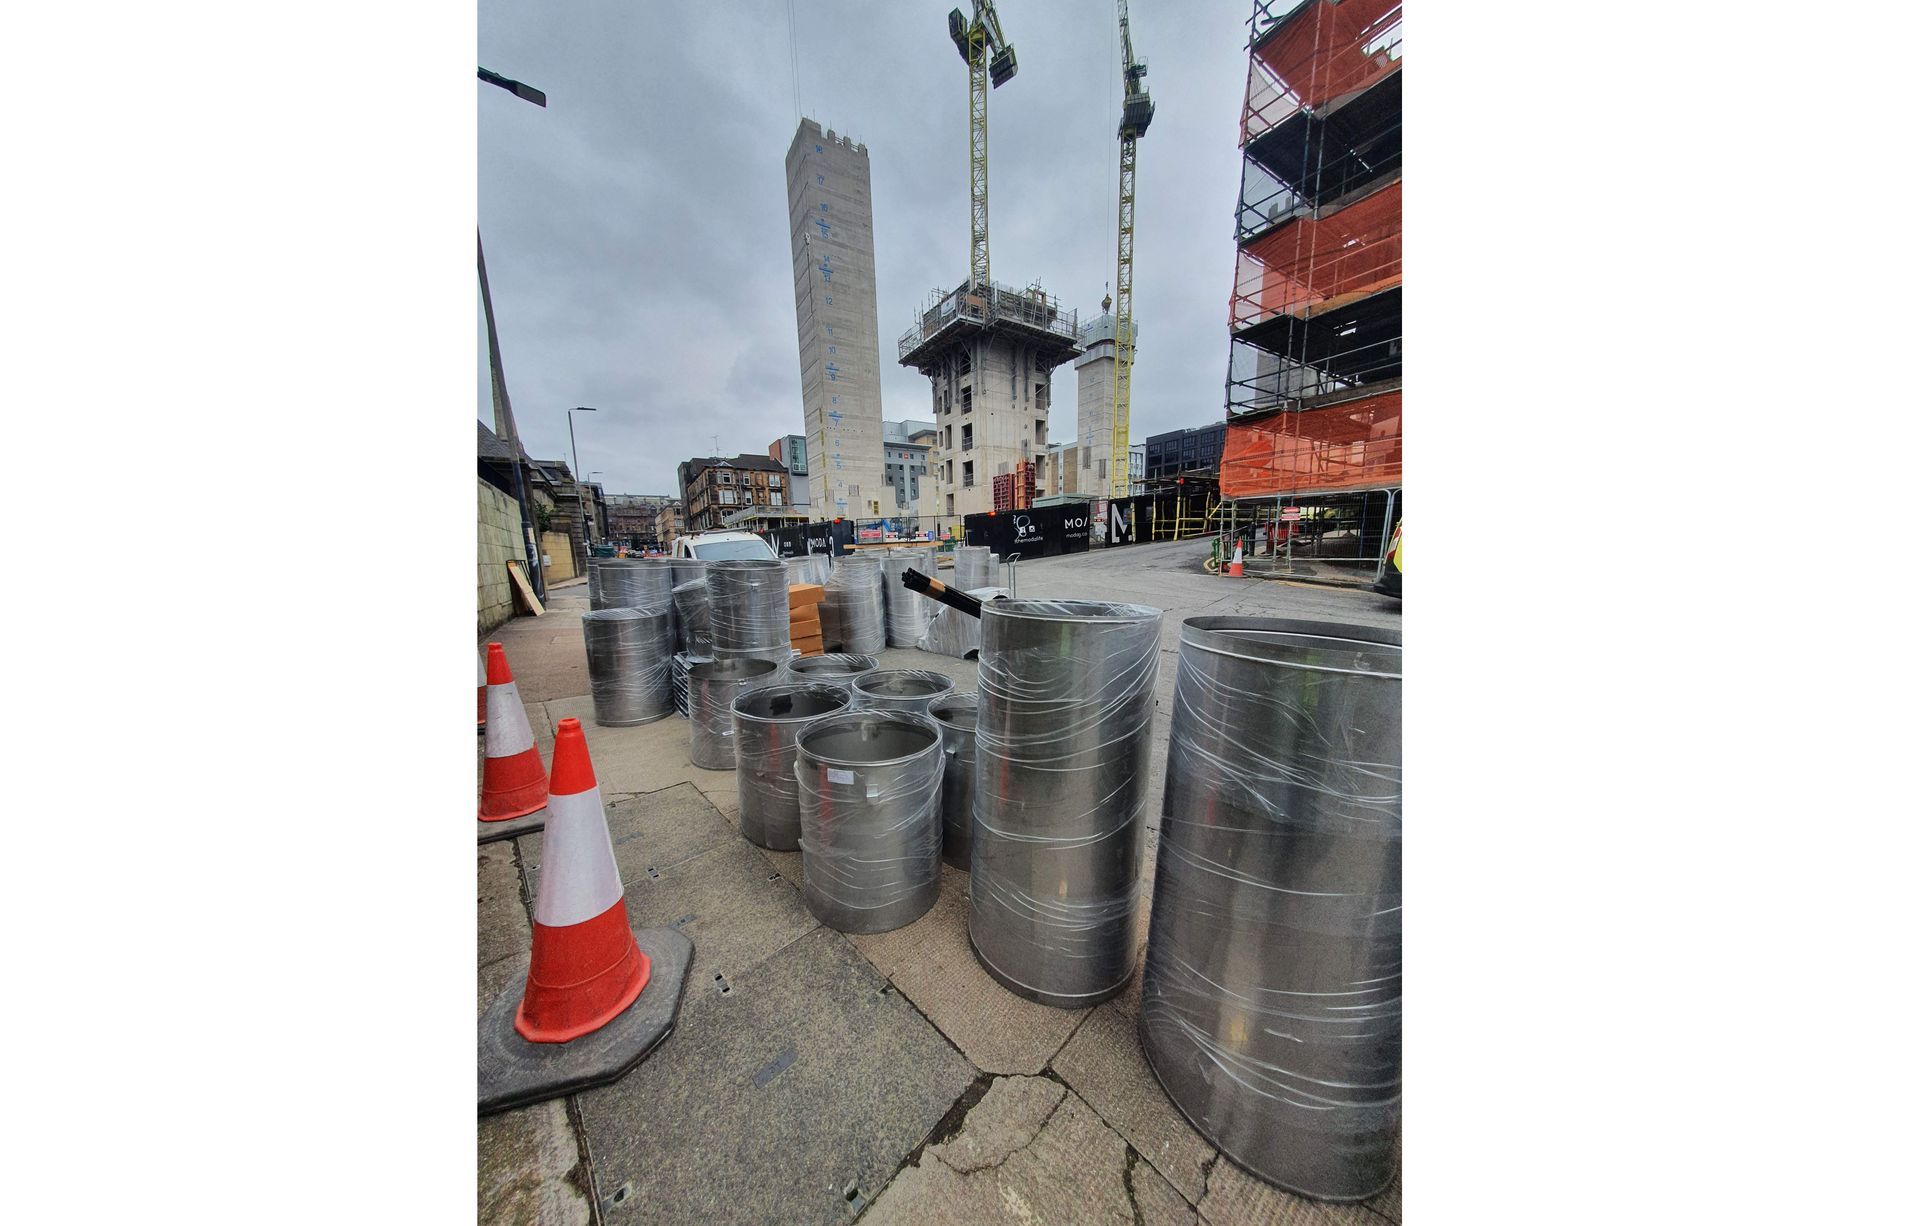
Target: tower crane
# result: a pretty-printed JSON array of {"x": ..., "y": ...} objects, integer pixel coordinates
[
  {"x": 988, "y": 55},
  {"x": 1136, "y": 112}
]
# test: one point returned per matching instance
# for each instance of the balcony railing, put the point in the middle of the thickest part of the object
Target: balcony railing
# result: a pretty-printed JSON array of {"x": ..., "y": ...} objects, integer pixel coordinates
[{"x": 1031, "y": 307}]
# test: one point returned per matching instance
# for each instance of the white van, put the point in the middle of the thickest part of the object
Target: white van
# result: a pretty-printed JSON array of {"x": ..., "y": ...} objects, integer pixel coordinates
[{"x": 721, "y": 546}]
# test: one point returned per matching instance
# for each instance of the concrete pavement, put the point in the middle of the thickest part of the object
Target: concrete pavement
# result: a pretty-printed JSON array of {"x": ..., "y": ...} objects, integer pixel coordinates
[{"x": 821, "y": 1078}]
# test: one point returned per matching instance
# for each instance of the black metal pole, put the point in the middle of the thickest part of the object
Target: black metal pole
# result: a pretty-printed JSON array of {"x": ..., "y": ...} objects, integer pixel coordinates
[{"x": 503, "y": 419}]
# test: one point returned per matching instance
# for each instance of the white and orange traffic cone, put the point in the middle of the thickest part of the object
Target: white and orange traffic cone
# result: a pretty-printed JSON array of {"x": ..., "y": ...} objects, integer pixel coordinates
[
  {"x": 1234, "y": 570},
  {"x": 598, "y": 996},
  {"x": 483, "y": 691},
  {"x": 513, "y": 782}
]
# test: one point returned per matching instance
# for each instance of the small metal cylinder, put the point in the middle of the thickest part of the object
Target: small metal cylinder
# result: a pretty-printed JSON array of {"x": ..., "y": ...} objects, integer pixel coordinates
[
  {"x": 900, "y": 689},
  {"x": 1270, "y": 1006},
  {"x": 1060, "y": 791},
  {"x": 711, "y": 689},
  {"x": 836, "y": 668},
  {"x": 975, "y": 566},
  {"x": 766, "y": 723},
  {"x": 695, "y": 618},
  {"x": 870, "y": 818},
  {"x": 748, "y": 609},
  {"x": 632, "y": 583},
  {"x": 629, "y": 665},
  {"x": 853, "y": 617},
  {"x": 907, "y": 612},
  {"x": 956, "y": 714}
]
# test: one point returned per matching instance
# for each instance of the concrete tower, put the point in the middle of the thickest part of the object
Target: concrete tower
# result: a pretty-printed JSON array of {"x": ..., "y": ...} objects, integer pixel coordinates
[
  {"x": 1093, "y": 376},
  {"x": 830, "y": 211}
]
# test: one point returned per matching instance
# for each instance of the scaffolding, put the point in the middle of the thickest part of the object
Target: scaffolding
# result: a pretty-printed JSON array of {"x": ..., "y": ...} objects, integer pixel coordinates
[{"x": 953, "y": 315}]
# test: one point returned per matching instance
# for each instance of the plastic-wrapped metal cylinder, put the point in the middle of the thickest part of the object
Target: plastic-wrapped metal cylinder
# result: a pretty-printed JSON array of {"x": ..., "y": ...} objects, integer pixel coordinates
[
  {"x": 836, "y": 668},
  {"x": 685, "y": 571},
  {"x": 747, "y": 598},
  {"x": 808, "y": 568},
  {"x": 1060, "y": 793},
  {"x": 593, "y": 581},
  {"x": 907, "y": 612},
  {"x": 870, "y": 818},
  {"x": 956, "y": 714},
  {"x": 853, "y": 617},
  {"x": 682, "y": 664},
  {"x": 975, "y": 566},
  {"x": 1270, "y": 1006},
  {"x": 632, "y": 583},
  {"x": 900, "y": 689},
  {"x": 694, "y": 622},
  {"x": 766, "y": 724},
  {"x": 711, "y": 689},
  {"x": 956, "y": 634},
  {"x": 629, "y": 665}
]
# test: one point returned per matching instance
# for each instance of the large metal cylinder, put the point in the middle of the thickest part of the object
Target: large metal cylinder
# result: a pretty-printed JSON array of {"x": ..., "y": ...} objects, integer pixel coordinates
[
  {"x": 711, "y": 689},
  {"x": 809, "y": 568},
  {"x": 957, "y": 634},
  {"x": 975, "y": 566},
  {"x": 694, "y": 618},
  {"x": 853, "y": 617},
  {"x": 835, "y": 668},
  {"x": 632, "y": 583},
  {"x": 766, "y": 723},
  {"x": 593, "y": 581},
  {"x": 685, "y": 571},
  {"x": 682, "y": 664},
  {"x": 1270, "y": 1006},
  {"x": 870, "y": 818},
  {"x": 748, "y": 601},
  {"x": 907, "y": 612},
  {"x": 956, "y": 714},
  {"x": 629, "y": 665},
  {"x": 1060, "y": 794},
  {"x": 900, "y": 689}
]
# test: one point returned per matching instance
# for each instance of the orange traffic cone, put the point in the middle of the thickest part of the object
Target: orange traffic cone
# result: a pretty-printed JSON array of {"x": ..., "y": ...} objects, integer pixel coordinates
[
  {"x": 1233, "y": 568},
  {"x": 513, "y": 783},
  {"x": 585, "y": 968},
  {"x": 483, "y": 693}
]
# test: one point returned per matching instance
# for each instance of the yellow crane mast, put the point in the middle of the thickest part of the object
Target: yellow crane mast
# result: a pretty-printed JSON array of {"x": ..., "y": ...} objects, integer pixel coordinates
[
  {"x": 1136, "y": 112},
  {"x": 988, "y": 55}
]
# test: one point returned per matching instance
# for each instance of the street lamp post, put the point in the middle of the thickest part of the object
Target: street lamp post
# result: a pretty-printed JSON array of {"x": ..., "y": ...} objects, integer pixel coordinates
[{"x": 580, "y": 478}]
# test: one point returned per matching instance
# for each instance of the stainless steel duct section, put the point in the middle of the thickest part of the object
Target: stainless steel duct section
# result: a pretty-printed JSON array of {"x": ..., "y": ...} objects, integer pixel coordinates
[
  {"x": 836, "y": 668},
  {"x": 809, "y": 568},
  {"x": 632, "y": 583},
  {"x": 711, "y": 689},
  {"x": 907, "y": 612},
  {"x": 956, "y": 714},
  {"x": 629, "y": 665},
  {"x": 766, "y": 723},
  {"x": 1060, "y": 791},
  {"x": 682, "y": 663},
  {"x": 900, "y": 689},
  {"x": 853, "y": 617},
  {"x": 1270, "y": 1005},
  {"x": 593, "y": 581},
  {"x": 975, "y": 566},
  {"x": 694, "y": 620},
  {"x": 870, "y": 819},
  {"x": 953, "y": 633},
  {"x": 748, "y": 603},
  {"x": 685, "y": 571}
]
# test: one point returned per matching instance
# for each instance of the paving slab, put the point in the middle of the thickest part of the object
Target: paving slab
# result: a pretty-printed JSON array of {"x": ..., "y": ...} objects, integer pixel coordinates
[
  {"x": 773, "y": 1098},
  {"x": 641, "y": 758},
  {"x": 888, "y": 951},
  {"x": 504, "y": 931},
  {"x": 530, "y": 1169},
  {"x": 1235, "y": 1197},
  {"x": 1030, "y": 1152}
]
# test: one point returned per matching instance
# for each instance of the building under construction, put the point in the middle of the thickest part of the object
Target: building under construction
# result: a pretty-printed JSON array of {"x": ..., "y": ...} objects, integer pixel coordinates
[{"x": 1313, "y": 383}]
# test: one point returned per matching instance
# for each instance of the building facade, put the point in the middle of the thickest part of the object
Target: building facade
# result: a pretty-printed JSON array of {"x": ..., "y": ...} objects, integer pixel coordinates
[
  {"x": 907, "y": 444},
  {"x": 1183, "y": 453},
  {"x": 632, "y": 519},
  {"x": 718, "y": 486},
  {"x": 830, "y": 215},
  {"x": 1093, "y": 378},
  {"x": 791, "y": 453}
]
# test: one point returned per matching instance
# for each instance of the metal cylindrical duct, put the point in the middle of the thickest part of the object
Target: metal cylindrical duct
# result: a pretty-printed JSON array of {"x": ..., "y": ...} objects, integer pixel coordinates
[
  {"x": 682, "y": 664},
  {"x": 629, "y": 665},
  {"x": 953, "y": 633},
  {"x": 1060, "y": 792},
  {"x": 1270, "y": 1005},
  {"x": 870, "y": 818},
  {"x": 907, "y": 612},
  {"x": 853, "y": 617},
  {"x": 748, "y": 601},
  {"x": 956, "y": 714},
  {"x": 766, "y": 723},
  {"x": 835, "y": 668},
  {"x": 634, "y": 583},
  {"x": 900, "y": 689},
  {"x": 593, "y": 581},
  {"x": 973, "y": 566},
  {"x": 809, "y": 568},
  {"x": 694, "y": 607},
  {"x": 685, "y": 571},
  {"x": 711, "y": 689}
]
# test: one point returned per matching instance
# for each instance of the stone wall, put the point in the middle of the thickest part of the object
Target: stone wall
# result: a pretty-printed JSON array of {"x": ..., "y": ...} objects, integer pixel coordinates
[
  {"x": 556, "y": 549},
  {"x": 500, "y": 539}
]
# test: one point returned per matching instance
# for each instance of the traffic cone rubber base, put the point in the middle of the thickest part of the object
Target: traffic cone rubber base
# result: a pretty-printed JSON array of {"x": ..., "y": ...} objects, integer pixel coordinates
[
  {"x": 516, "y": 1073},
  {"x": 513, "y": 827}
]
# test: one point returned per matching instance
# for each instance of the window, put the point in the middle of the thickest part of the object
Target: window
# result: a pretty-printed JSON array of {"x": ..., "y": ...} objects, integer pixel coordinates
[
  {"x": 966, "y": 362},
  {"x": 1040, "y": 397},
  {"x": 1102, "y": 474},
  {"x": 949, "y": 504},
  {"x": 1040, "y": 431},
  {"x": 776, "y": 500},
  {"x": 966, "y": 400},
  {"x": 966, "y": 474},
  {"x": 946, "y": 438},
  {"x": 773, "y": 481},
  {"x": 724, "y": 478},
  {"x": 726, "y": 498},
  {"x": 966, "y": 437}
]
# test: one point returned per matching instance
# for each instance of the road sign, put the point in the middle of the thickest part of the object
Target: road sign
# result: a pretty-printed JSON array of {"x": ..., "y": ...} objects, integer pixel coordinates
[{"x": 1288, "y": 514}]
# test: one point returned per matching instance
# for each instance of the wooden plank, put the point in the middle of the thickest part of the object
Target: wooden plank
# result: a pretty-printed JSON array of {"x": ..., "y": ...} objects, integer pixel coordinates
[
  {"x": 523, "y": 590},
  {"x": 799, "y": 594}
]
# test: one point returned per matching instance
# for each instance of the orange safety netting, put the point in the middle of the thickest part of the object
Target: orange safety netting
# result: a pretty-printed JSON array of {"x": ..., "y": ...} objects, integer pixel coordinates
[
  {"x": 1350, "y": 446},
  {"x": 1314, "y": 260},
  {"x": 1329, "y": 50}
]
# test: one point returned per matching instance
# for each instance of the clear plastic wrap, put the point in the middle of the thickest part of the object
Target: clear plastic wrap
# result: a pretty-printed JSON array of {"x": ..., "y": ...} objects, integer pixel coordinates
[
  {"x": 853, "y": 617},
  {"x": 766, "y": 724},
  {"x": 682, "y": 662},
  {"x": 953, "y": 633},
  {"x": 747, "y": 600},
  {"x": 809, "y": 568},
  {"x": 631, "y": 583},
  {"x": 975, "y": 566},
  {"x": 907, "y": 612},
  {"x": 869, "y": 785},
  {"x": 629, "y": 665},
  {"x": 1270, "y": 1007},
  {"x": 685, "y": 571},
  {"x": 900, "y": 689},
  {"x": 711, "y": 689},
  {"x": 957, "y": 715},
  {"x": 1061, "y": 753},
  {"x": 695, "y": 622},
  {"x": 836, "y": 668}
]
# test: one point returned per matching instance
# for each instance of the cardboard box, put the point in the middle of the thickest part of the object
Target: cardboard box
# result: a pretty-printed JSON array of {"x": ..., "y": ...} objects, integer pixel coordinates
[
  {"x": 799, "y": 594},
  {"x": 809, "y": 646},
  {"x": 805, "y": 615}
]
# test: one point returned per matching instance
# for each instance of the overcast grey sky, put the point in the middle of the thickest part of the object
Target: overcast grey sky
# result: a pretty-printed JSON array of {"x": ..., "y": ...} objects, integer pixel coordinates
[{"x": 636, "y": 228}]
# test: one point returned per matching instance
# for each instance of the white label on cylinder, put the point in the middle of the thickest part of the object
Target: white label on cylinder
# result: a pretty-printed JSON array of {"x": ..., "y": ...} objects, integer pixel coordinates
[{"x": 839, "y": 776}]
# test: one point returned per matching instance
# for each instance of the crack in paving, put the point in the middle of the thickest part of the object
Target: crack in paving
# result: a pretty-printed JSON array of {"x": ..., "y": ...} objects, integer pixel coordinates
[
  {"x": 1126, "y": 1181},
  {"x": 965, "y": 1172}
]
